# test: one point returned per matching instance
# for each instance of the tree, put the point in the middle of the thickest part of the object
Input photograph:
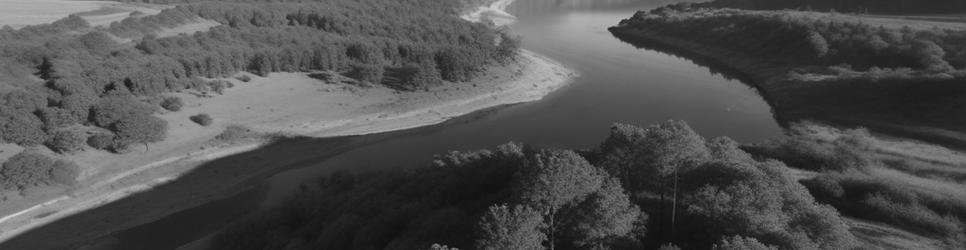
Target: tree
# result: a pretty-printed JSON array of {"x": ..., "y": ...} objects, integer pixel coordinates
[
  {"x": 115, "y": 108},
  {"x": 668, "y": 147},
  {"x": 56, "y": 118},
  {"x": 26, "y": 169},
  {"x": 741, "y": 243},
  {"x": 603, "y": 217},
  {"x": 551, "y": 179},
  {"x": 818, "y": 44},
  {"x": 141, "y": 129},
  {"x": 21, "y": 127},
  {"x": 67, "y": 141},
  {"x": 504, "y": 228}
]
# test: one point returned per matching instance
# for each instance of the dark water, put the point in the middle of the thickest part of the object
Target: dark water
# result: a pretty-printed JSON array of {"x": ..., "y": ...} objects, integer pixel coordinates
[{"x": 618, "y": 83}]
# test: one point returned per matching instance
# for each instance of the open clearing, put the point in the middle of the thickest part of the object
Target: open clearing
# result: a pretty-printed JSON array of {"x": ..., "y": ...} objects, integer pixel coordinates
[{"x": 20, "y": 13}]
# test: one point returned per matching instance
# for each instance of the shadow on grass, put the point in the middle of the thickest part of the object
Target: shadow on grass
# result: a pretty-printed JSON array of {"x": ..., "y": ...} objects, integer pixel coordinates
[{"x": 202, "y": 201}]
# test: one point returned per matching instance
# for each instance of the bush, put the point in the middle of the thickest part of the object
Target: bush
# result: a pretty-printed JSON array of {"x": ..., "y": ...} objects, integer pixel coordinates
[
  {"x": 244, "y": 78},
  {"x": 101, "y": 141},
  {"x": 367, "y": 73},
  {"x": 67, "y": 141},
  {"x": 202, "y": 119},
  {"x": 172, "y": 103},
  {"x": 234, "y": 133},
  {"x": 65, "y": 172},
  {"x": 219, "y": 86}
]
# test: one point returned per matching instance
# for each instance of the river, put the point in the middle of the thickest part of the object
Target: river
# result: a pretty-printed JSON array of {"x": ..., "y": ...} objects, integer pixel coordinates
[{"x": 618, "y": 83}]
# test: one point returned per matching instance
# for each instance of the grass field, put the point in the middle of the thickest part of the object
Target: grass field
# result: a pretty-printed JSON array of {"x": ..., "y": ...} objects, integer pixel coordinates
[{"x": 20, "y": 13}]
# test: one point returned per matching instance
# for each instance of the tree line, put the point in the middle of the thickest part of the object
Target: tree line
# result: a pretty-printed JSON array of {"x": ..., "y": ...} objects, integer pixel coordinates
[
  {"x": 856, "y": 6},
  {"x": 804, "y": 39},
  {"x": 58, "y": 79},
  {"x": 660, "y": 186}
]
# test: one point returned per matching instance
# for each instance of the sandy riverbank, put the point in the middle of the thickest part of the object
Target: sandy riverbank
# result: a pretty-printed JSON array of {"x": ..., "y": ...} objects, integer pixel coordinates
[{"x": 289, "y": 103}]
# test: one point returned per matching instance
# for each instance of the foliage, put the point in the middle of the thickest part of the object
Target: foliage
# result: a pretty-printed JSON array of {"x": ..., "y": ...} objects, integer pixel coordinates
[
  {"x": 101, "y": 141},
  {"x": 95, "y": 79},
  {"x": 31, "y": 169},
  {"x": 201, "y": 119},
  {"x": 20, "y": 127},
  {"x": 140, "y": 129},
  {"x": 859, "y": 6},
  {"x": 802, "y": 38},
  {"x": 172, "y": 103},
  {"x": 516, "y": 228},
  {"x": 877, "y": 199},
  {"x": 525, "y": 198},
  {"x": 67, "y": 141}
]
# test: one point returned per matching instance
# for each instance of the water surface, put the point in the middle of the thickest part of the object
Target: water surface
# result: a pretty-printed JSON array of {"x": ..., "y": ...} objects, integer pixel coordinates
[{"x": 618, "y": 83}]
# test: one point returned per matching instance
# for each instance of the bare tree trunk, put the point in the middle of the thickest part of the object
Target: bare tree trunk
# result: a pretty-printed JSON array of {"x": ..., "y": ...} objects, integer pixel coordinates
[
  {"x": 552, "y": 212},
  {"x": 674, "y": 203},
  {"x": 146, "y": 147}
]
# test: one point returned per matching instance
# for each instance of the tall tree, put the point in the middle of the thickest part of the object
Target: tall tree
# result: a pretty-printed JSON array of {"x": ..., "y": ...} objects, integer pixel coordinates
[
  {"x": 552, "y": 179},
  {"x": 504, "y": 228}
]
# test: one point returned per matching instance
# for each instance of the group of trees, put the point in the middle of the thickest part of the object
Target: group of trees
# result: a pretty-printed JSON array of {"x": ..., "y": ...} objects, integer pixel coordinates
[
  {"x": 87, "y": 77},
  {"x": 861, "y": 6},
  {"x": 642, "y": 188},
  {"x": 30, "y": 169},
  {"x": 805, "y": 39}
]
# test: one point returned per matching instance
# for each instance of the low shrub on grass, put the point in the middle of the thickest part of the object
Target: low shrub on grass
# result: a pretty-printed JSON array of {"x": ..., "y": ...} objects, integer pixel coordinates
[
  {"x": 172, "y": 103},
  {"x": 202, "y": 119},
  {"x": 32, "y": 169},
  {"x": 876, "y": 199},
  {"x": 244, "y": 78},
  {"x": 235, "y": 133}
]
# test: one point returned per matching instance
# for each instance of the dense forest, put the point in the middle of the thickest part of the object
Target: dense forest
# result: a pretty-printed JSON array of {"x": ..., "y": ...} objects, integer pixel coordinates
[
  {"x": 858, "y": 6},
  {"x": 67, "y": 84},
  {"x": 661, "y": 186},
  {"x": 804, "y": 39}
]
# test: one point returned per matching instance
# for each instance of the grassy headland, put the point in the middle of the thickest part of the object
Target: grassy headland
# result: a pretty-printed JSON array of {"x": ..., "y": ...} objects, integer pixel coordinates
[{"x": 837, "y": 68}]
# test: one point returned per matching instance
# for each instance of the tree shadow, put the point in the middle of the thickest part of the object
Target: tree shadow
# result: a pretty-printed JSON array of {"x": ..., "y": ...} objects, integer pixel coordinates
[{"x": 203, "y": 200}]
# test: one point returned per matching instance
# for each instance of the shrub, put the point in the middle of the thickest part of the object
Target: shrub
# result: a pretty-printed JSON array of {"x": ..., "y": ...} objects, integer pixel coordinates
[
  {"x": 66, "y": 141},
  {"x": 367, "y": 73},
  {"x": 101, "y": 141},
  {"x": 219, "y": 86},
  {"x": 64, "y": 172},
  {"x": 244, "y": 78},
  {"x": 201, "y": 119},
  {"x": 172, "y": 103},
  {"x": 234, "y": 133},
  {"x": 56, "y": 118}
]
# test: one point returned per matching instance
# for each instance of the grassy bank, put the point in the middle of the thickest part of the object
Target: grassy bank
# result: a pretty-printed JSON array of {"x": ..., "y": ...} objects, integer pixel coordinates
[{"x": 806, "y": 71}]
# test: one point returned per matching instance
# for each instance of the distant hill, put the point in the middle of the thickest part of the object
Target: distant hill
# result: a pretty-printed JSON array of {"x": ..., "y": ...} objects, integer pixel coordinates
[{"x": 870, "y": 6}]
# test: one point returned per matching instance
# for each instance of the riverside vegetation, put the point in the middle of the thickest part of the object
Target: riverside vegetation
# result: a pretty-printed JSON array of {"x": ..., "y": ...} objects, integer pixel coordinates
[
  {"x": 67, "y": 84},
  {"x": 876, "y": 72}
]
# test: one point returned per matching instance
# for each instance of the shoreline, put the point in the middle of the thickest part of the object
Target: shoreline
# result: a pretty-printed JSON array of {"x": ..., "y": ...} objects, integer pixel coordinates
[
  {"x": 514, "y": 91},
  {"x": 528, "y": 86},
  {"x": 520, "y": 89},
  {"x": 769, "y": 78}
]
